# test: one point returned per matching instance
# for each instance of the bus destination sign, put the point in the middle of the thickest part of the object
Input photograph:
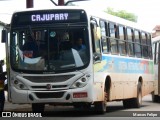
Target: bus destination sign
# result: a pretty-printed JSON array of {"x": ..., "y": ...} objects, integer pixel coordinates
[{"x": 49, "y": 17}]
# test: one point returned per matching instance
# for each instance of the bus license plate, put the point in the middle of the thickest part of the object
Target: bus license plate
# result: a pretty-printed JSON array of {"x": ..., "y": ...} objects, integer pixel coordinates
[{"x": 80, "y": 95}]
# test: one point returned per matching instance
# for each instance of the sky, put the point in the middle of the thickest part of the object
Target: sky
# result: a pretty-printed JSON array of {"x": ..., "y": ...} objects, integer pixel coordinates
[{"x": 148, "y": 11}]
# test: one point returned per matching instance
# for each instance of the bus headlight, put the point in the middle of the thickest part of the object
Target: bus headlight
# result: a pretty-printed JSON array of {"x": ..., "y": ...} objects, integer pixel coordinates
[
  {"x": 19, "y": 85},
  {"x": 80, "y": 83}
]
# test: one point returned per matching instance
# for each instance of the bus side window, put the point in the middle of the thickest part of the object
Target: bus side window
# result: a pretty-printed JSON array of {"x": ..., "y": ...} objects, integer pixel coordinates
[
  {"x": 157, "y": 52},
  {"x": 113, "y": 36},
  {"x": 137, "y": 44},
  {"x": 154, "y": 52},
  {"x": 104, "y": 41},
  {"x": 130, "y": 38},
  {"x": 122, "y": 41},
  {"x": 149, "y": 46},
  {"x": 144, "y": 45}
]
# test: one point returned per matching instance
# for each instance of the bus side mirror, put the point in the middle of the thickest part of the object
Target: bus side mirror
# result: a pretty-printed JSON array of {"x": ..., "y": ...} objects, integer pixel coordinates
[
  {"x": 97, "y": 57},
  {"x": 4, "y": 36}
]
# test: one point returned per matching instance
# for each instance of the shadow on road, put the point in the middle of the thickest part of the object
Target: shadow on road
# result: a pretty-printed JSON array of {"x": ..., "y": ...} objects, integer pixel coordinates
[
  {"x": 112, "y": 111},
  {"x": 68, "y": 111}
]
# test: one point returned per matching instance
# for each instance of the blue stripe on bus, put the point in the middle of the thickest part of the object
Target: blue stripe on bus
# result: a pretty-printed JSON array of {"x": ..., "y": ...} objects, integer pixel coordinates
[{"x": 125, "y": 65}]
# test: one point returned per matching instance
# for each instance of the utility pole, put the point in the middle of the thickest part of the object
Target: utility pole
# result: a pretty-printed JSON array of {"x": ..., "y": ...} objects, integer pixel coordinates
[
  {"x": 29, "y": 3},
  {"x": 60, "y": 2}
]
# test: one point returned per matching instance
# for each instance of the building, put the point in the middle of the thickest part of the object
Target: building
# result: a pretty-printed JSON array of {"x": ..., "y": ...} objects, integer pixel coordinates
[{"x": 156, "y": 30}]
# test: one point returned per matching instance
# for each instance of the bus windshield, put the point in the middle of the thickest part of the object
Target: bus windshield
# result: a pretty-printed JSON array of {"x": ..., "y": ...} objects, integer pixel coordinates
[{"x": 49, "y": 49}]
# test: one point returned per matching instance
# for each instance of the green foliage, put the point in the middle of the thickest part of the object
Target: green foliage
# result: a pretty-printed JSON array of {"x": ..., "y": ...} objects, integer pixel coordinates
[{"x": 122, "y": 14}]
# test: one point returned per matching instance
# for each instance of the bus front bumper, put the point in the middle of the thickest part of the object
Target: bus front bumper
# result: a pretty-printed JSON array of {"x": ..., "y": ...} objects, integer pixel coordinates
[{"x": 61, "y": 96}]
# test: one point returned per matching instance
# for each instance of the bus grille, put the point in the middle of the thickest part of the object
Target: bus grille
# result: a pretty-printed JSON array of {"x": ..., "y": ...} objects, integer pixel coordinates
[
  {"x": 49, "y": 94},
  {"x": 53, "y": 86},
  {"x": 51, "y": 79}
]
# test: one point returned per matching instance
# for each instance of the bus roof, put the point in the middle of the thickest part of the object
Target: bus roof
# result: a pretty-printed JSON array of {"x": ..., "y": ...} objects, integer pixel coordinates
[
  {"x": 118, "y": 20},
  {"x": 96, "y": 13}
]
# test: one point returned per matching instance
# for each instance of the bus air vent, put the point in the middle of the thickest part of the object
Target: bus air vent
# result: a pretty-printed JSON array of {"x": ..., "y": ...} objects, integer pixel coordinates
[{"x": 44, "y": 79}]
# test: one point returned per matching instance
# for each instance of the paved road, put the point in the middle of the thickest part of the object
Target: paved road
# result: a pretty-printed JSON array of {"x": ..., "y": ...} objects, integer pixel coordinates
[{"x": 114, "y": 109}]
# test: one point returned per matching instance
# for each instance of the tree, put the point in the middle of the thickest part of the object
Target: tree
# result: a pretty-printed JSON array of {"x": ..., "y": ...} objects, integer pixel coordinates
[{"x": 122, "y": 14}]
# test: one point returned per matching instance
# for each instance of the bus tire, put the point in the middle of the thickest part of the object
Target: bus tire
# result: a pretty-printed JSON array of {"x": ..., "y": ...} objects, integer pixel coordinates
[
  {"x": 100, "y": 107},
  {"x": 38, "y": 107},
  {"x": 127, "y": 103},
  {"x": 155, "y": 98},
  {"x": 137, "y": 102}
]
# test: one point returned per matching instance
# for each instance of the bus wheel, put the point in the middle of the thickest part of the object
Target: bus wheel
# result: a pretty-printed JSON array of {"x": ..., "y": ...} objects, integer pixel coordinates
[
  {"x": 137, "y": 102},
  {"x": 127, "y": 103},
  {"x": 155, "y": 98},
  {"x": 100, "y": 107},
  {"x": 38, "y": 107}
]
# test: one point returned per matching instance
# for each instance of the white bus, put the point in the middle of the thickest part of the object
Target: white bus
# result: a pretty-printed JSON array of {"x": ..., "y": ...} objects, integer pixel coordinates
[
  {"x": 156, "y": 57},
  {"x": 115, "y": 65}
]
